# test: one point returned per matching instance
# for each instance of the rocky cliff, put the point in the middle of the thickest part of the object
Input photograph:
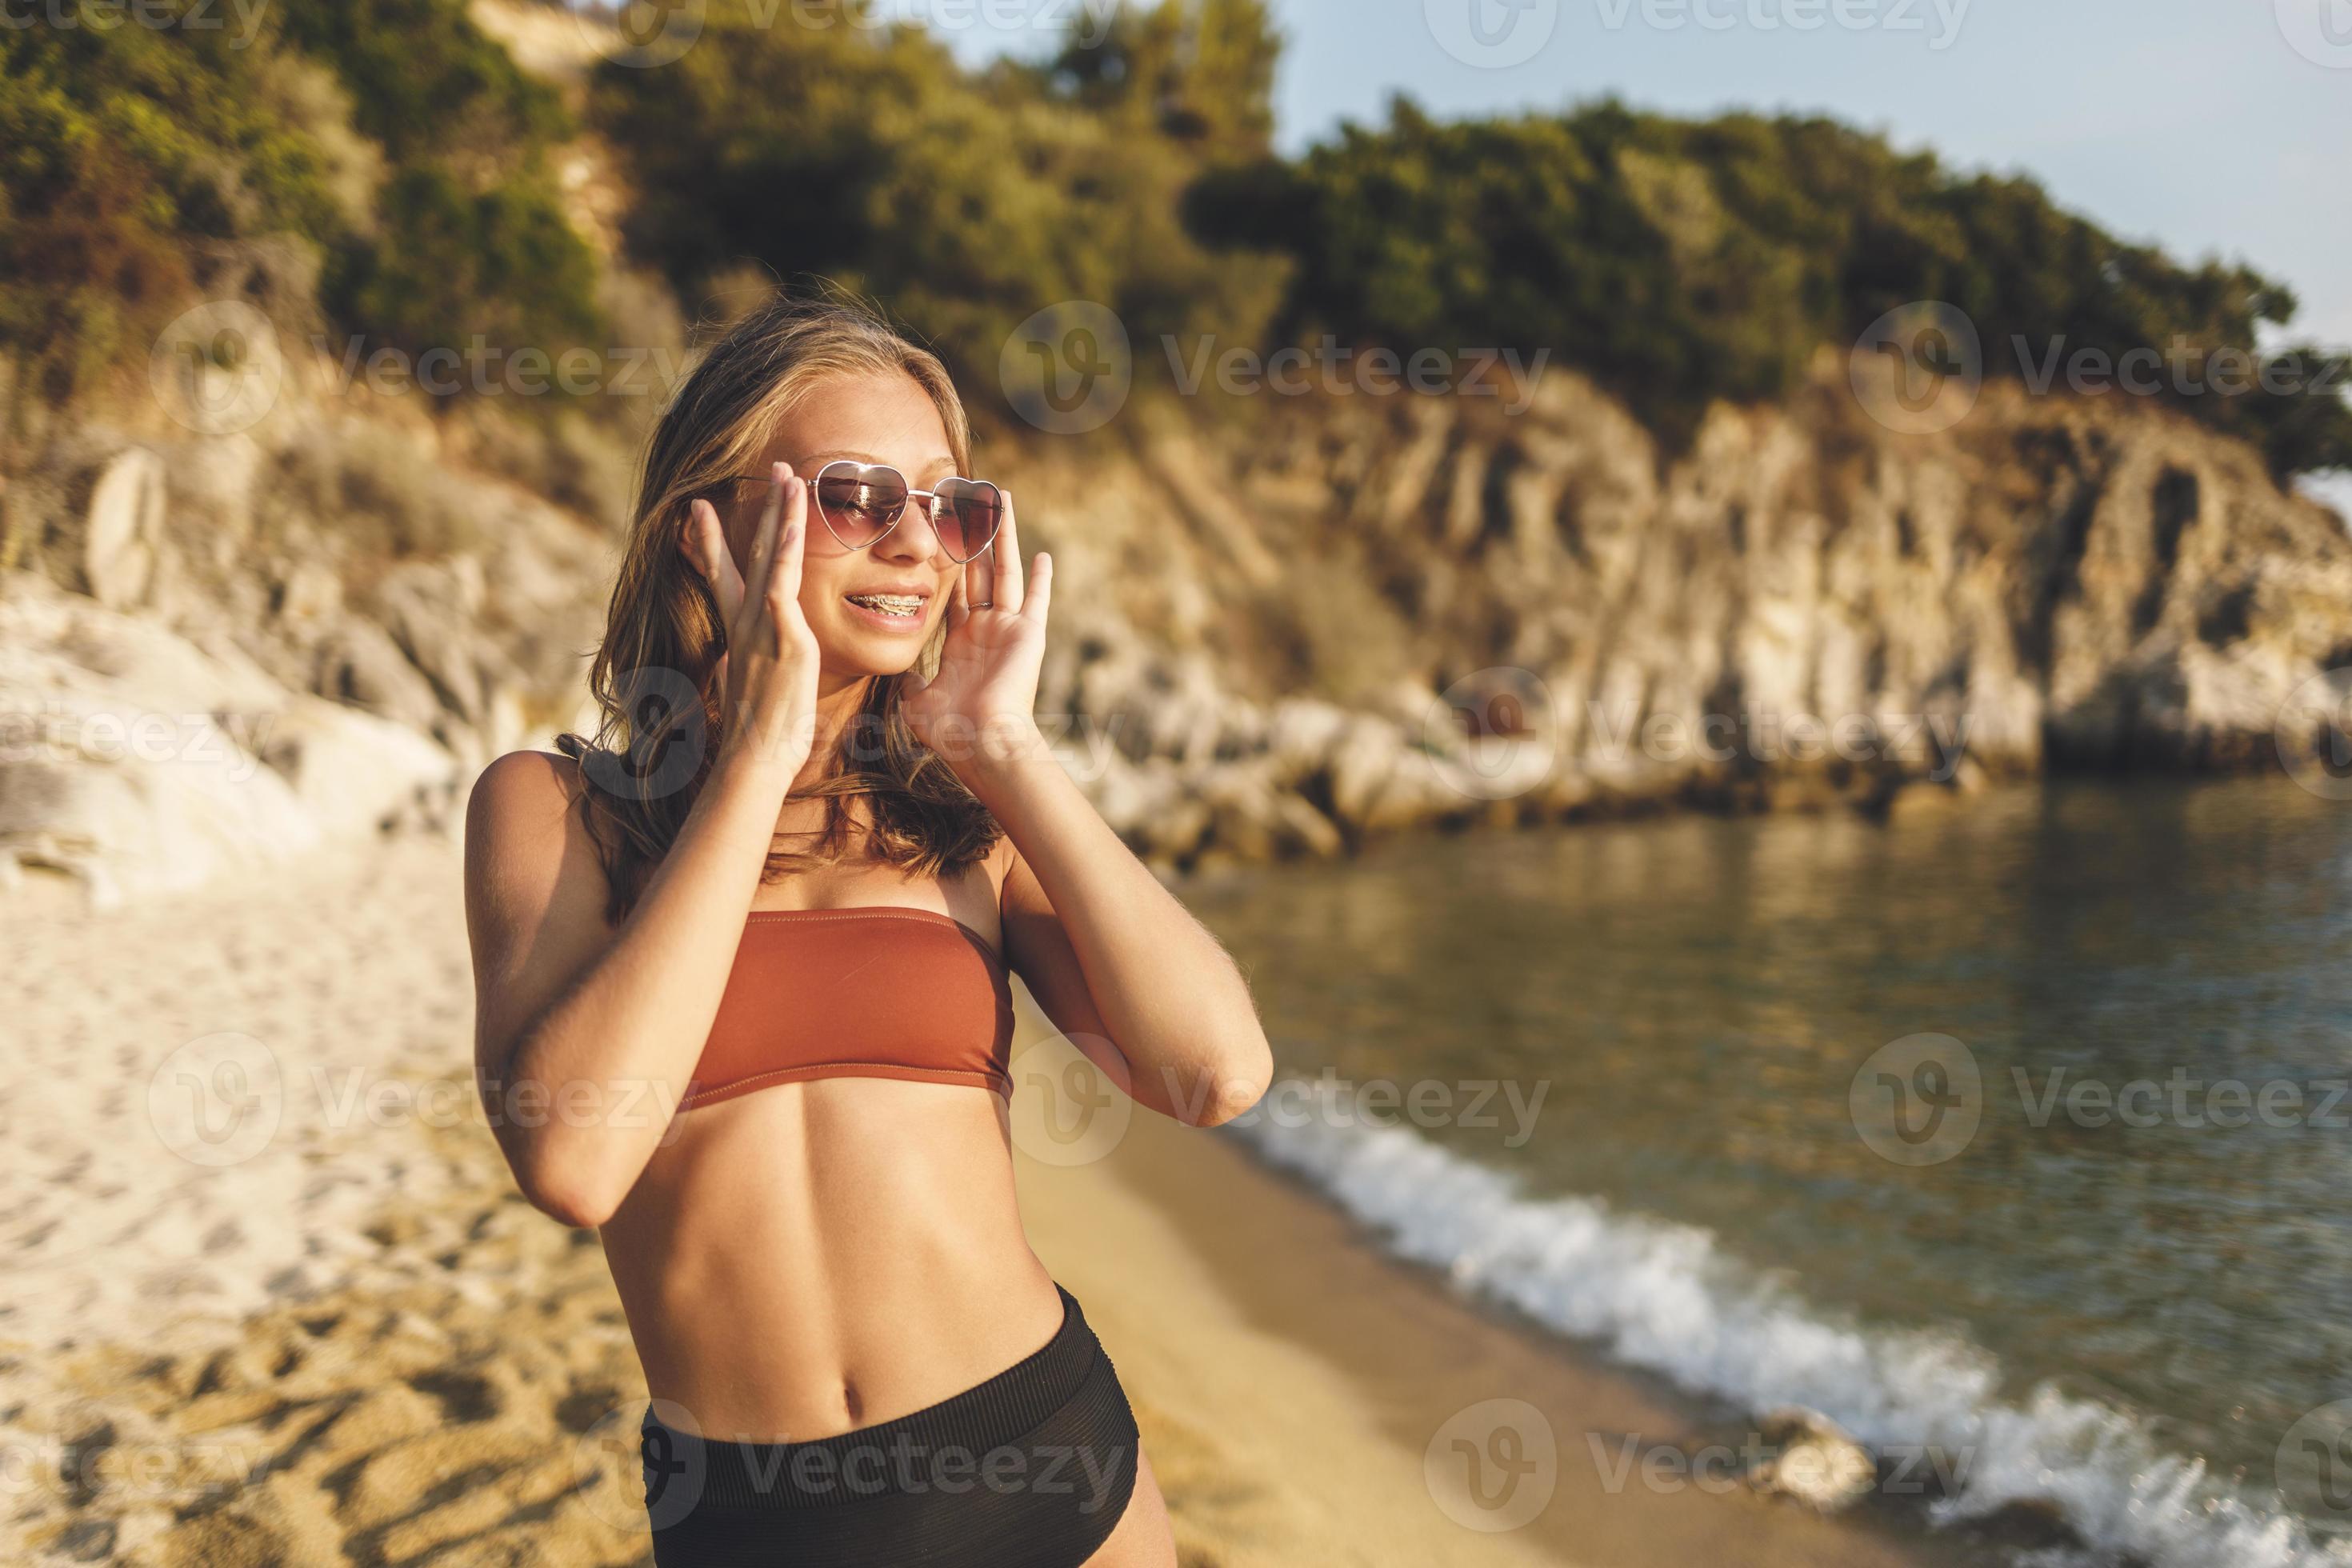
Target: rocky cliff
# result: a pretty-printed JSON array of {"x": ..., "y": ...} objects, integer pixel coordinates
[
  {"x": 1335, "y": 617},
  {"x": 217, "y": 649},
  {"x": 1279, "y": 630}
]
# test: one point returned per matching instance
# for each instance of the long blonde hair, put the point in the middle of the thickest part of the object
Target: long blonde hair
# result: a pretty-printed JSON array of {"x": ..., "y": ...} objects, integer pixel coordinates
[{"x": 653, "y": 680}]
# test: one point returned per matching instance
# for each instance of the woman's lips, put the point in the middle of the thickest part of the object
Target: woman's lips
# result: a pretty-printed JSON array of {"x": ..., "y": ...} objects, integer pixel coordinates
[{"x": 886, "y": 620}]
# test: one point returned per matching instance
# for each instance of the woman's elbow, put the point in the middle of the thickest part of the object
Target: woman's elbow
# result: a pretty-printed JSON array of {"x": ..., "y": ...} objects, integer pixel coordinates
[
  {"x": 1239, "y": 1081},
  {"x": 567, "y": 1188},
  {"x": 582, "y": 1208}
]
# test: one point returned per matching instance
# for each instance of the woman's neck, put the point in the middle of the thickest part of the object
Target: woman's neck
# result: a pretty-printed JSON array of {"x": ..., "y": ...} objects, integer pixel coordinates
[{"x": 838, "y": 708}]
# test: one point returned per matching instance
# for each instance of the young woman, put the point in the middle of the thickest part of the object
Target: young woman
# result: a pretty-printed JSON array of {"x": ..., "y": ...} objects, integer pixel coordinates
[{"x": 742, "y": 967}]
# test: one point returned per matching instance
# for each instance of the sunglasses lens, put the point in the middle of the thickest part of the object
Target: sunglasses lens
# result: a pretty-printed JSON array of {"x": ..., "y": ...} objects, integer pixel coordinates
[
  {"x": 967, "y": 514},
  {"x": 860, "y": 501}
]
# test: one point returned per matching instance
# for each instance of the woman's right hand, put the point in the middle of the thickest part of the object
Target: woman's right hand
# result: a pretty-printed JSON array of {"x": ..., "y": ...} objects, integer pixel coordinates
[{"x": 770, "y": 668}]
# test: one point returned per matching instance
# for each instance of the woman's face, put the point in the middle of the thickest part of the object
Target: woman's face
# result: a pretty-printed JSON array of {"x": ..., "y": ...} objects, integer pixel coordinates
[{"x": 868, "y": 419}]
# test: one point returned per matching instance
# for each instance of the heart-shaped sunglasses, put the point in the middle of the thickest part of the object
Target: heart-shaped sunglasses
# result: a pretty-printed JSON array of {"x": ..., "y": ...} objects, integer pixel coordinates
[{"x": 860, "y": 502}]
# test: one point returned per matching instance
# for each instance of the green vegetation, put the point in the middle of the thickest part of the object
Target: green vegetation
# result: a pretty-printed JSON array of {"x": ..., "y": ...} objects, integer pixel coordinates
[
  {"x": 396, "y": 145},
  {"x": 123, "y": 154},
  {"x": 1679, "y": 262},
  {"x": 967, "y": 201},
  {"x": 471, "y": 237},
  {"x": 1676, "y": 261}
]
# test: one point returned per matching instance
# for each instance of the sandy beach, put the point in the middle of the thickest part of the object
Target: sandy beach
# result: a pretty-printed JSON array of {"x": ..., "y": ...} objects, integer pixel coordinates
[{"x": 272, "y": 1299}]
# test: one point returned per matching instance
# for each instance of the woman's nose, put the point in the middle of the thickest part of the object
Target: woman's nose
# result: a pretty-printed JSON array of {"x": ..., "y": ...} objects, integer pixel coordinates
[{"x": 913, "y": 539}]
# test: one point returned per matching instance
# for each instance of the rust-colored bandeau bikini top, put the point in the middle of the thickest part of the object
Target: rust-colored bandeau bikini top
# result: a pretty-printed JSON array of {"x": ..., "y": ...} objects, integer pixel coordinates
[{"x": 867, "y": 991}]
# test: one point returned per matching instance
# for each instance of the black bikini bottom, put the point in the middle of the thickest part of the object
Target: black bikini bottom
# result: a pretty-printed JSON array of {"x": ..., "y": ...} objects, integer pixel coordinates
[{"x": 1033, "y": 1466}]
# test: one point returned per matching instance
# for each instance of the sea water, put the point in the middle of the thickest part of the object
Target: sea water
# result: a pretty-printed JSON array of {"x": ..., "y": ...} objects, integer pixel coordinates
[{"x": 2099, "y": 1257}]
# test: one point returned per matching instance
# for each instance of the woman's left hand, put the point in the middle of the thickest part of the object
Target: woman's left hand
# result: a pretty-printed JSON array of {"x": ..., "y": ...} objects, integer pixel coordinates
[{"x": 980, "y": 705}]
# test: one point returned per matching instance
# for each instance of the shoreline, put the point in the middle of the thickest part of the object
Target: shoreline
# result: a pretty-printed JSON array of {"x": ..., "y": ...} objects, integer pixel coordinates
[{"x": 1242, "y": 1268}]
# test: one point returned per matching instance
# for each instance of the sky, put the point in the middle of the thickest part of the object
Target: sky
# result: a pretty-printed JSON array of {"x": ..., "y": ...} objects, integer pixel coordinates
[
  {"x": 2213, "y": 128},
  {"x": 2194, "y": 123}
]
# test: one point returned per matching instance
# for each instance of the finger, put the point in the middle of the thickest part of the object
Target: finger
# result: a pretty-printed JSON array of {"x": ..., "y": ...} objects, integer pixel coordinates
[
  {"x": 706, "y": 543},
  {"x": 1041, "y": 589},
  {"x": 959, "y": 594},
  {"x": 1005, "y": 592},
  {"x": 792, "y": 541},
  {"x": 763, "y": 543}
]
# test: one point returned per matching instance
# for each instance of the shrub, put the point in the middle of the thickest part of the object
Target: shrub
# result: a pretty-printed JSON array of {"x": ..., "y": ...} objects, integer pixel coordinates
[{"x": 1679, "y": 262}]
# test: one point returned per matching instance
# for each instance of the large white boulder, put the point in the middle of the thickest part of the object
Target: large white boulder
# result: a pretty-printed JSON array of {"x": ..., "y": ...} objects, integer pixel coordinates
[{"x": 136, "y": 761}]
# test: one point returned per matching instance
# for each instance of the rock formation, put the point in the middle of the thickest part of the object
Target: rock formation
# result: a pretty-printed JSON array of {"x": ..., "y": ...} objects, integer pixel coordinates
[
  {"x": 1408, "y": 609},
  {"x": 1280, "y": 628}
]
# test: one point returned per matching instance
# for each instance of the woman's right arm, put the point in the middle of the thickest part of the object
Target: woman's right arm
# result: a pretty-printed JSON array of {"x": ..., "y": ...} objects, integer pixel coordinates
[{"x": 585, "y": 1034}]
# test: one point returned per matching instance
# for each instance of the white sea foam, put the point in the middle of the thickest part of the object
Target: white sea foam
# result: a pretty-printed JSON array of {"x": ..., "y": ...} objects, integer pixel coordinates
[{"x": 1665, "y": 1298}]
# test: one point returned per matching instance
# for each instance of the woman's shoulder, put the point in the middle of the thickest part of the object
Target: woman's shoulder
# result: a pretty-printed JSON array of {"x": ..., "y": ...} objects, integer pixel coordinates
[
  {"x": 530, "y": 774},
  {"x": 526, "y": 846},
  {"x": 526, "y": 795},
  {"x": 525, "y": 783}
]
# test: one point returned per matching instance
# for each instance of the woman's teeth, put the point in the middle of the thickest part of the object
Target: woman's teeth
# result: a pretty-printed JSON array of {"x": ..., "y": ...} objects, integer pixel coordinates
[{"x": 889, "y": 603}]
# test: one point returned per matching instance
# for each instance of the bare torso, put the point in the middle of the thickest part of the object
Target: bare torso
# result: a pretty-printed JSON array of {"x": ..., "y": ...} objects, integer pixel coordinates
[{"x": 818, "y": 1256}]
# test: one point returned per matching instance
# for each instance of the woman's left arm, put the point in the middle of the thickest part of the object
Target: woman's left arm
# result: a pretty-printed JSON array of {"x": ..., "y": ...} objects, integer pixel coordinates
[{"x": 1120, "y": 967}]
